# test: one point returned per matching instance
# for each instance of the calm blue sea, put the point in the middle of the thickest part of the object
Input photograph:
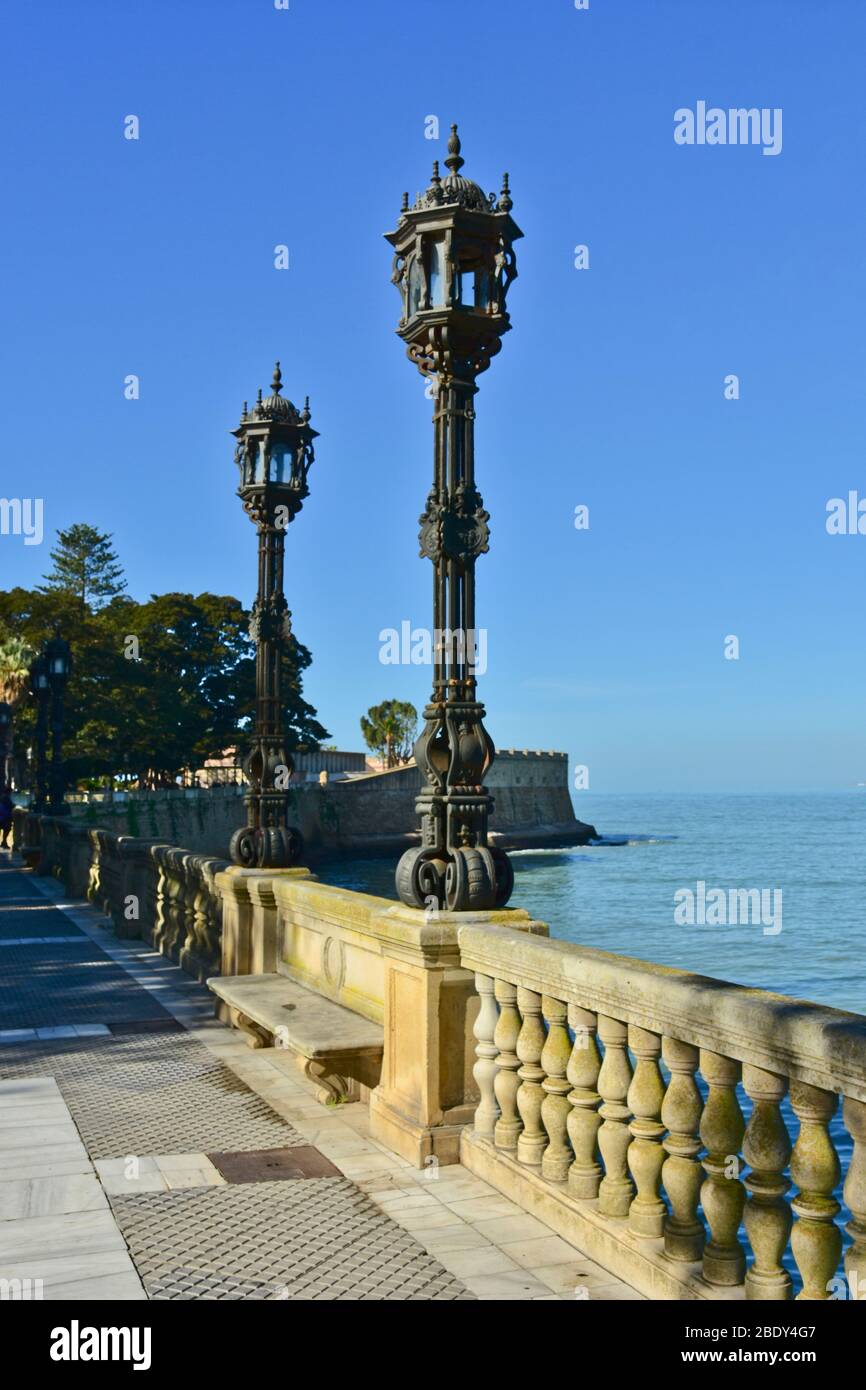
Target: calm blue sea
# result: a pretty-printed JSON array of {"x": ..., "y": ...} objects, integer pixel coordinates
[{"x": 621, "y": 897}]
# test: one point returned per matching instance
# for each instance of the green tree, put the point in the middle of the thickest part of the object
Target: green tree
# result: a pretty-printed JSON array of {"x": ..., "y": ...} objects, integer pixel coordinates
[
  {"x": 389, "y": 730},
  {"x": 85, "y": 567},
  {"x": 15, "y": 659},
  {"x": 156, "y": 687}
]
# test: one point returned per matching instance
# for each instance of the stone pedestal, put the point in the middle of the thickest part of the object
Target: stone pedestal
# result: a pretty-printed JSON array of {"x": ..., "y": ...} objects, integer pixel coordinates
[
  {"x": 250, "y": 943},
  {"x": 427, "y": 1092}
]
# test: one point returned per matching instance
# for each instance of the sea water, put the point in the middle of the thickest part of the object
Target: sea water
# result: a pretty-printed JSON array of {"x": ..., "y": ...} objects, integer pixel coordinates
[{"x": 620, "y": 895}]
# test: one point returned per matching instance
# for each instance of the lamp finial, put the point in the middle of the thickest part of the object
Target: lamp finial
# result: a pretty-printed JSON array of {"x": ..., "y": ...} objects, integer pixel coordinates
[{"x": 454, "y": 161}]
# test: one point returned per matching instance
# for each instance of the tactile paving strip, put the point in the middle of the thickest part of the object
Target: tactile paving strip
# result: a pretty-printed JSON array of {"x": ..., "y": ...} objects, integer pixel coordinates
[
  {"x": 319, "y": 1239},
  {"x": 144, "y": 1093}
]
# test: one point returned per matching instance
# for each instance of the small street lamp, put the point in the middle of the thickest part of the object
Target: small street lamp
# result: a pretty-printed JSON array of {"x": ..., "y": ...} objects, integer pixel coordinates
[
  {"x": 59, "y": 666},
  {"x": 5, "y": 731},
  {"x": 273, "y": 454},
  {"x": 453, "y": 265},
  {"x": 40, "y": 689}
]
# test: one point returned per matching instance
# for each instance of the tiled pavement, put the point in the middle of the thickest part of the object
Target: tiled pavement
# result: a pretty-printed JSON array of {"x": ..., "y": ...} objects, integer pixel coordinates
[{"x": 112, "y": 1135}]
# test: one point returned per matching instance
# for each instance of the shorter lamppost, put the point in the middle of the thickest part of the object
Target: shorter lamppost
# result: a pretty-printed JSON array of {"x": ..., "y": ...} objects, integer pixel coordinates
[
  {"x": 273, "y": 454},
  {"x": 40, "y": 690},
  {"x": 59, "y": 664},
  {"x": 5, "y": 732}
]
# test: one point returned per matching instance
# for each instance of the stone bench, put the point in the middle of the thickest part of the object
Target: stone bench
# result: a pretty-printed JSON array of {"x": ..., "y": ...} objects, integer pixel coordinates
[{"x": 342, "y": 1051}]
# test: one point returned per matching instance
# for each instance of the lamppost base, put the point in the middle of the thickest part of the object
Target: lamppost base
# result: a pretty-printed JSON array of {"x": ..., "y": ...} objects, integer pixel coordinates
[
  {"x": 275, "y": 847},
  {"x": 468, "y": 879}
]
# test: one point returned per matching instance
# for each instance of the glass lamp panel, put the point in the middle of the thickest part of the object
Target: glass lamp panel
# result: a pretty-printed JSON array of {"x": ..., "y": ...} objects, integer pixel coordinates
[
  {"x": 281, "y": 463},
  {"x": 437, "y": 274},
  {"x": 414, "y": 286},
  {"x": 467, "y": 288},
  {"x": 260, "y": 475}
]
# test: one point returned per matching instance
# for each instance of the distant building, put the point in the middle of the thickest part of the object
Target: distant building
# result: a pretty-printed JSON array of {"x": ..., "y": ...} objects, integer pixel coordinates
[{"x": 226, "y": 770}]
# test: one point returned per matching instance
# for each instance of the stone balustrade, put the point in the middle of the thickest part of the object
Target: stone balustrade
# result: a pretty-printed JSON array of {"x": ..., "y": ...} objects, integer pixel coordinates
[
  {"x": 659, "y": 1120},
  {"x": 187, "y": 919}
]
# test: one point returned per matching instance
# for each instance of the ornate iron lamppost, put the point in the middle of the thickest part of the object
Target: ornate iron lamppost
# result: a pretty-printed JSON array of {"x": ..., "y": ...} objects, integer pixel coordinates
[
  {"x": 40, "y": 689},
  {"x": 453, "y": 264},
  {"x": 274, "y": 453},
  {"x": 59, "y": 666}
]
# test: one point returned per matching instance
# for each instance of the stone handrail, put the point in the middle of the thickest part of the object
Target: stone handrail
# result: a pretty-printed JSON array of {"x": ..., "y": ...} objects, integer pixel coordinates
[{"x": 638, "y": 1149}]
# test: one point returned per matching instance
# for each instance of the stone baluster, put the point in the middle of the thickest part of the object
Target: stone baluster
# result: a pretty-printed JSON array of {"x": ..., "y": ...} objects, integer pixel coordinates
[
  {"x": 816, "y": 1240},
  {"x": 160, "y": 930},
  {"x": 530, "y": 1043},
  {"x": 507, "y": 1082},
  {"x": 682, "y": 1173},
  {"x": 584, "y": 1065},
  {"x": 854, "y": 1192},
  {"x": 722, "y": 1194},
  {"x": 486, "y": 1050},
  {"x": 646, "y": 1216},
  {"x": 616, "y": 1190},
  {"x": 555, "y": 1107},
  {"x": 767, "y": 1148}
]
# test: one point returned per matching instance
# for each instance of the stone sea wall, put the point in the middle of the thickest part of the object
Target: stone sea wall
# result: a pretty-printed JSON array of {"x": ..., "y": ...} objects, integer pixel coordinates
[{"x": 364, "y": 814}]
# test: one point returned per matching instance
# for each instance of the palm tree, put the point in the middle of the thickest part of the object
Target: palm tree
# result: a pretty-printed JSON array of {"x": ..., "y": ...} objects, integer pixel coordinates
[
  {"x": 389, "y": 729},
  {"x": 15, "y": 659}
]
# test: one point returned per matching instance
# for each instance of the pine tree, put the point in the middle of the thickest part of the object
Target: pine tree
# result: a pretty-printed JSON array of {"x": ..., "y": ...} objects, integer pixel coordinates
[{"x": 85, "y": 567}]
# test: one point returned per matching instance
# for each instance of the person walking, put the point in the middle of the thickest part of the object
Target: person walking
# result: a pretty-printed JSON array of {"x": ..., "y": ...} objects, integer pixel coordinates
[{"x": 5, "y": 819}]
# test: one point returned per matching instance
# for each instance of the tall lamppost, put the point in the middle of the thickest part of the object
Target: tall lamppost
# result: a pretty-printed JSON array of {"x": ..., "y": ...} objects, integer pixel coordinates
[
  {"x": 453, "y": 264},
  {"x": 40, "y": 690},
  {"x": 273, "y": 454},
  {"x": 59, "y": 665}
]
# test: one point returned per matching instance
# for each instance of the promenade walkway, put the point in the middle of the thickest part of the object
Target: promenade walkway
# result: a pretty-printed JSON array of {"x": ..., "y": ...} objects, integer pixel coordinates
[{"x": 147, "y": 1152}]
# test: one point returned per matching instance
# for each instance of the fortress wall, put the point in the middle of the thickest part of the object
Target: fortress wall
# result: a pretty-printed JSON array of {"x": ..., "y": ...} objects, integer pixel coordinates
[{"x": 530, "y": 791}]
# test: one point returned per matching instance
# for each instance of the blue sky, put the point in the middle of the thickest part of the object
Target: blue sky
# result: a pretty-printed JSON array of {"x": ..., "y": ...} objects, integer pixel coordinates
[{"x": 303, "y": 127}]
